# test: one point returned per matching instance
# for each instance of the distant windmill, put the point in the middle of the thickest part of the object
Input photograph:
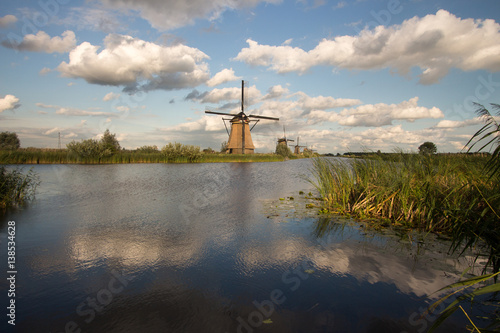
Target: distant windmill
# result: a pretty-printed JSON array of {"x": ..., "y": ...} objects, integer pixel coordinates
[
  {"x": 311, "y": 150},
  {"x": 297, "y": 147},
  {"x": 240, "y": 139},
  {"x": 284, "y": 140}
]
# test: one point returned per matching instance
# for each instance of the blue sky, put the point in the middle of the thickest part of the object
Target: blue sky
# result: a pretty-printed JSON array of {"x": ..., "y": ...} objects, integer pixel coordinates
[{"x": 343, "y": 76}]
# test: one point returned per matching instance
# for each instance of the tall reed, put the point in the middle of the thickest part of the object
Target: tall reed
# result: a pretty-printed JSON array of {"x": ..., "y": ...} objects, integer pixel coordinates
[
  {"x": 16, "y": 187},
  {"x": 63, "y": 156},
  {"x": 440, "y": 193}
]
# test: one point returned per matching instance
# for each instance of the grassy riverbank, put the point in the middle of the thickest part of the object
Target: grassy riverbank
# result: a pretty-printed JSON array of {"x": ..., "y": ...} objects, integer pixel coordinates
[
  {"x": 449, "y": 194},
  {"x": 63, "y": 156}
]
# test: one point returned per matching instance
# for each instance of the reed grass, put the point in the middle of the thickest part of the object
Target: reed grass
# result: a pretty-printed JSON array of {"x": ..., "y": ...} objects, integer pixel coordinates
[
  {"x": 15, "y": 187},
  {"x": 64, "y": 156},
  {"x": 448, "y": 194}
]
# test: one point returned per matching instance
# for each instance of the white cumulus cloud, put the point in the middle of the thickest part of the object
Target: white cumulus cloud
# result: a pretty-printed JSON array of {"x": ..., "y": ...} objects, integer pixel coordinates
[
  {"x": 42, "y": 42},
  {"x": 276, "y": 92},
  {"x": 137, "y": 64},
  {"x": 232, "y": 94},
  {"x": 7, "y": 20},
  {"x": 225, "y": 75},
  {"x": 110, "y": 96},
  {"x": 434, "y": 43},
  {"x": 8, "y": 102},
  {"x": 458, "y": 124},
  {"x": 376, "y": 115},
  {"x": 326, "y": 102}
]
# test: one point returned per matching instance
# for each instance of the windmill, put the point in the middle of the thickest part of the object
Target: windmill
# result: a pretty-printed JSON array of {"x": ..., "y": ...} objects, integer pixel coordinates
[
  {"x": 297, "y": 147},
  {"x": 284, "y": 140},
  {"x": 240, "y": 139},
  {"x": 309, "y": 150}
]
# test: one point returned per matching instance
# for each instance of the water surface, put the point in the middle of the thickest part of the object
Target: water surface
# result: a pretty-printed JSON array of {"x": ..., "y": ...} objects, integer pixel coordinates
[{"x": 209, "y": 248}]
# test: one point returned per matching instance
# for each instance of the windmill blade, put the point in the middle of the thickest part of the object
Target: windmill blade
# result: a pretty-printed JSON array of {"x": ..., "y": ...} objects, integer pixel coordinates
[
  {"x": 262, "y": 117},
  {"x": 222, "y": 113}
]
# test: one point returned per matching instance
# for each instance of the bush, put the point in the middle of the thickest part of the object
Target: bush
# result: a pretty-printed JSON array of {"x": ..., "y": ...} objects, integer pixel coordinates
[
  {"x": 427, "y": 148},
  {"x": 92, "y": 149},
  {"x": 9, "y": 141},
  {"x": 176, "y": 151},
  {"x": 109, "y": 142},
  {"x": 148, "y": 149},
  {"x": 89, "y": 149},
  {"x": 283, "y": 150}
]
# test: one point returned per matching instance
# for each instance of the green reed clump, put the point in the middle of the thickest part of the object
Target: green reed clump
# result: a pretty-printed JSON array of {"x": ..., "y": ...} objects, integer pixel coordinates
[
  {"x": 191, "y": 155},
  {"x": 35, "y": 156},
  {"x": 16, "y": 187},
  {"x": 426, "y": 192},
  {"x": 440, "y": 193}
]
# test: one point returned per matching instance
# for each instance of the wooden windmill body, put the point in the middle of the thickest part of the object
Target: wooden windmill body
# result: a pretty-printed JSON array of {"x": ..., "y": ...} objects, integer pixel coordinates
[
  {"x": 240, "y": 139},
  {"x": 297, "y": 147},
  {"x": 284, "y": 141}
]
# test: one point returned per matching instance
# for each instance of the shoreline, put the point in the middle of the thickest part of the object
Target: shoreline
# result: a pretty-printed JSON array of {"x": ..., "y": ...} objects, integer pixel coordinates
[{"x": 33, "y": 157}]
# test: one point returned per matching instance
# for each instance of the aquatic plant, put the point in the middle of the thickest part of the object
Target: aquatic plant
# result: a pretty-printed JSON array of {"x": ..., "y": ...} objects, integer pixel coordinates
[
  {"x": 15, "y": 187},
  {"x": 439, "y": 193},
  {"x": 63, "y": 156},
  {"x": 478, "y": 291},
  {"x": 488, "y": 137},
  {"x": 487, "y": 231}
]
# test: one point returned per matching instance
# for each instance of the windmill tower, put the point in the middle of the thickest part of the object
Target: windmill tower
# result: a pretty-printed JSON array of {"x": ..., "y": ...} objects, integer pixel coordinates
[
  {"x": 284, "y": 140},
  {"x": 240, "y": 139},
  {"x": 297, "y": 147}
]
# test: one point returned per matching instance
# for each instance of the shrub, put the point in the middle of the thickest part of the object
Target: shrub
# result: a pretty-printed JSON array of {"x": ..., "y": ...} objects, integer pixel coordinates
[
  {"x": 148, "y": 149},
  {"x": 9, "y": 141},
  {"x": 109, "y": 142},
  {"x": 92, "y": 149},
  {"x": 175, "y": 151},
  {"x": 283, "y": 150}
]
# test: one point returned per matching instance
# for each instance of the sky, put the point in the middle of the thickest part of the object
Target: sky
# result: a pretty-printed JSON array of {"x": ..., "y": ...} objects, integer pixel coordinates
[{"x": 353, "y": 75}]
